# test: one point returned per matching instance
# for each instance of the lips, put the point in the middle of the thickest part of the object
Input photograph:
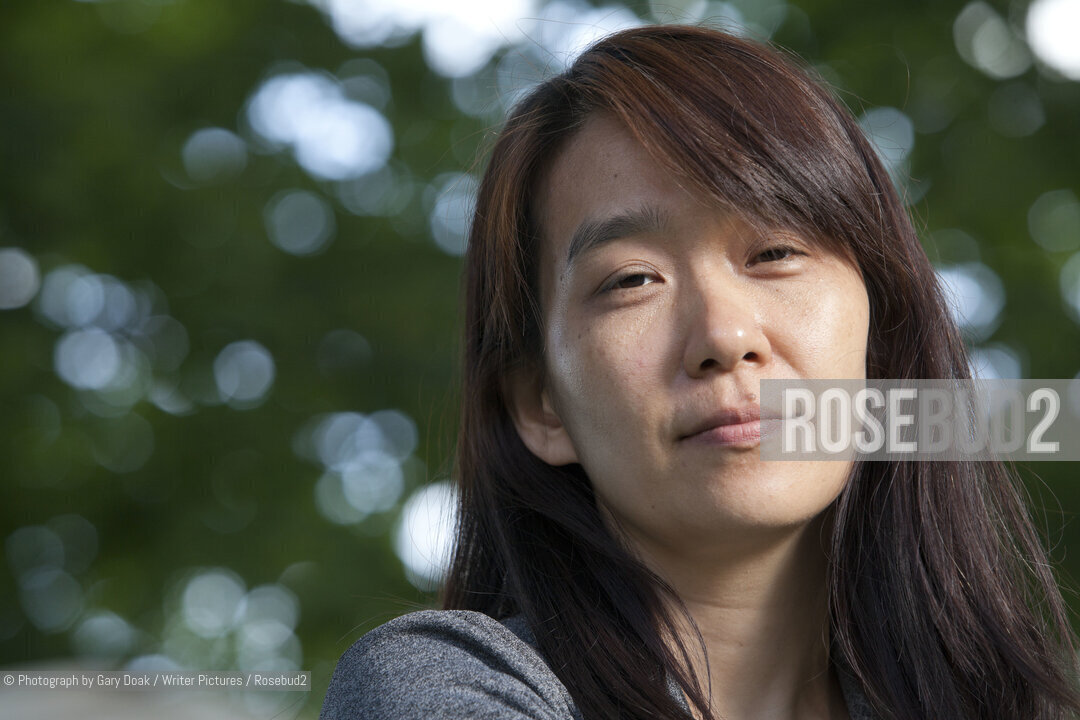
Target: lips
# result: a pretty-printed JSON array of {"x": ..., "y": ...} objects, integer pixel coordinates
[{"x": 731, "y": 426}]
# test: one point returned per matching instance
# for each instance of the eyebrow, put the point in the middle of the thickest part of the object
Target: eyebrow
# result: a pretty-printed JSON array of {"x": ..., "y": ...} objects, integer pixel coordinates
[{"x": 591, "y": 234}]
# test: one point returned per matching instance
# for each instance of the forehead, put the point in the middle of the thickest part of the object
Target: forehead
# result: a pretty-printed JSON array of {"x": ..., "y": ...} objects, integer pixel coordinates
[
  {"x": 601, "y": 171},
  {"x": 599, "y": 164}
]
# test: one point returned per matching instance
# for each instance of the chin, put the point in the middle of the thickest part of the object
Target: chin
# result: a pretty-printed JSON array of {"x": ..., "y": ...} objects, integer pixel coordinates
[{"x": 773, "y": 504}]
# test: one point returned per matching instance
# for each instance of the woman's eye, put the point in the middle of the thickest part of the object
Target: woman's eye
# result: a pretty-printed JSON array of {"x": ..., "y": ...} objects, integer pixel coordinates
[
  {"x": 779, "y": 252},
  {"x": 635, "y": 280},
  {"x": 631, "y": 280}
]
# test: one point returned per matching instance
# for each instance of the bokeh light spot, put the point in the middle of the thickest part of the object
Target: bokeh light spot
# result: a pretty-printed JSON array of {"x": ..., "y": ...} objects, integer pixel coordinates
[
  {"x": 119, "y": 308},
  {"x": 153, "y": 662},
  {"x": 373, "y": 482},
  {"x": 266, "y": 639},
  {"x": 272, "y": 602},
  {"x": 210, "y": 602},
  {"x": 996, "y": 362},
  {"x": 33, "y": 547},
  {"x": 398, "y": 431},
  {"x": 267, "y": 645},
  {"x": 976, "y": 297},
  {"x": 424, "y": 538},
  {"x": 341, "y": 436},
  {"x": 458, "y": 38},
  {"x": 1015, "y": 110},
  {"x": 385, "y": 192},
  {"x": 168, "y": 397},
  {"x": 892, "y": 134},
  {"x": 51, "y": 598},
  {"x": 19, "y": 278},
  {"x": 214, "y": 154},
  {"x": 85, "y": 300},
  {"x": 52, "y": 301},
  {"x": 102, "y": 633},
  {"x": 988, "y": 43},
  {"x": 167, "y": 344},
  {"x": 244, "y": 372},
  {"x": 333, "y": 137},
  {"x": 365, "y": 80},
  {"x": 1052, "y": 28},
  {"x": 331, "y": 502},
  {"x": 80, "y": 540},
  {"x": 678, "y": 11},
  {"x": 1070, "y": 286},
  {"x": 299, "y": 222},
  {"x": 1054, "y": 220},
  {"x": 566, "y": 29},
  {"x": 452, "y": 211},
  {"x": 87, "y": 359},
  {"x": 363, "y": 456}
]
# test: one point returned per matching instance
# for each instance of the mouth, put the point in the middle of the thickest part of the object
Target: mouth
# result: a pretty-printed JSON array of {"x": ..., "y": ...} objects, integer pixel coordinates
[
  {"x": 734, "y": 435},
  {"x": 738, "y": 427}
]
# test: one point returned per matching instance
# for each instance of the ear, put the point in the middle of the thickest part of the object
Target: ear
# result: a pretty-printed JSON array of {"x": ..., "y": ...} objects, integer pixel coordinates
[{"x": 537, "y": 422}]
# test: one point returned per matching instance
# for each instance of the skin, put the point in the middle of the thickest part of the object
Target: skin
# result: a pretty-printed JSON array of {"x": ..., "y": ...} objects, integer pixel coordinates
[{"x": 652, "y": 333}]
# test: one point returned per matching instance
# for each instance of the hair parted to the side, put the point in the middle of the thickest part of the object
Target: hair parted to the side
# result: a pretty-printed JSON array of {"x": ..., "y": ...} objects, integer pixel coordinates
[{"x": 942, "y": 603}]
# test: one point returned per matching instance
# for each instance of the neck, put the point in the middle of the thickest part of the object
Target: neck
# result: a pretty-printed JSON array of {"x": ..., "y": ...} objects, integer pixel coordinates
[{"x": 762, "y": 612}]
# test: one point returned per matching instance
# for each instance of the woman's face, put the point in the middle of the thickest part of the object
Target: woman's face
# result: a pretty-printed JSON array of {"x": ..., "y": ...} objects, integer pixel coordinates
[{"x": 662, "y": 314}]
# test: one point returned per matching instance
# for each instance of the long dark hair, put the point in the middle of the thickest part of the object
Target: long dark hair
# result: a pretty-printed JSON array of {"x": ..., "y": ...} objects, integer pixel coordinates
[{"x": 941, "y": 600}]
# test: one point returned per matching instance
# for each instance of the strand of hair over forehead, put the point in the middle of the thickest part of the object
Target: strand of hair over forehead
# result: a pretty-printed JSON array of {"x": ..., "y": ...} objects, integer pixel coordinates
[{"x": 707, "y": 111}]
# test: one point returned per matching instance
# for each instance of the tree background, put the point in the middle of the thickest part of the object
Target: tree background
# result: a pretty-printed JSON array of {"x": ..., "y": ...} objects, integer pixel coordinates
[{"x": 231, "y": 240}]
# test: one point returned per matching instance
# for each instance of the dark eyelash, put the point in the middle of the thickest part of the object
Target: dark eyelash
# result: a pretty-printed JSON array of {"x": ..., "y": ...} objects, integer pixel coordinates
[
  {"x": 616, "y": 281},
  {"x": 787, "y": 251}
]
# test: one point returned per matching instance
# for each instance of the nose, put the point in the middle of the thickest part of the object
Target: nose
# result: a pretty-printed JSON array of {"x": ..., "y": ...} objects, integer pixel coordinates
[{"x": 723, "y": 328}]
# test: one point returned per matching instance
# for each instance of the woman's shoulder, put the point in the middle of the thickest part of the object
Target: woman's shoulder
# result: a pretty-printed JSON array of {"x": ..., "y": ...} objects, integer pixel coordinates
[{"x": 447, "y": 664}]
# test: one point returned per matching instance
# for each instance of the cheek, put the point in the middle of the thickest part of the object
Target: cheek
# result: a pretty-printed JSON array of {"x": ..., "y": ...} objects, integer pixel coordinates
[
  {"x": 828, "y": 327},
  {"x": 601, "y": 376}
]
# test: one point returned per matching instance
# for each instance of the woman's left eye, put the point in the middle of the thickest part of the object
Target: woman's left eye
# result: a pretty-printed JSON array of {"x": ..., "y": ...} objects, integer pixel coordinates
[{"x": 780, "y": 252}]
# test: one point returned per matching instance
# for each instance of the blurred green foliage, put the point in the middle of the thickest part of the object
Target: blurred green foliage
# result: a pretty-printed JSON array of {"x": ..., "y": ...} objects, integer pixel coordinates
[{"x": 97, "y": 102}]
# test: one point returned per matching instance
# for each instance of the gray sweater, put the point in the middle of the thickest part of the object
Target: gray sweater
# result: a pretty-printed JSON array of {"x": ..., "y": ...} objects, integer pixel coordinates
[{"x": 463, "y": 664}]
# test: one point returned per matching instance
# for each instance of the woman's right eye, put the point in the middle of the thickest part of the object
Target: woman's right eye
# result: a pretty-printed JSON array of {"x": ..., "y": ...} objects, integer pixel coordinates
[
  {"x": 635, "y": 280},
  {"x": 629, "y": 281}
]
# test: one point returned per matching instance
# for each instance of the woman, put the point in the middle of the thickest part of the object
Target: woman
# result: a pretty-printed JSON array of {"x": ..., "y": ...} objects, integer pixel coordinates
[{"x": 678, "y": 216}]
